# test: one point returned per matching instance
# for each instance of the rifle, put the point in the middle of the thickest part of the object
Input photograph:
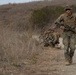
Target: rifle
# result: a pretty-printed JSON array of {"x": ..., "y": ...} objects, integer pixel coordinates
[{"x": 67, "y": 27}]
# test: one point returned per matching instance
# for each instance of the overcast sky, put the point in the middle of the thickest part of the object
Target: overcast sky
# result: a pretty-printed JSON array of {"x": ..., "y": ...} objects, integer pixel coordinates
[{"x": 15, "y": 1}]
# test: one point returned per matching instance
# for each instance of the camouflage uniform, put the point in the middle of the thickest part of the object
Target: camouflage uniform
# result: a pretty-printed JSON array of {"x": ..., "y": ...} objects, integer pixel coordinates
[
  {"x": 69, "y": 40},
  {"x": 51, "y": 38},
  {"x": 48, "y": 38}
]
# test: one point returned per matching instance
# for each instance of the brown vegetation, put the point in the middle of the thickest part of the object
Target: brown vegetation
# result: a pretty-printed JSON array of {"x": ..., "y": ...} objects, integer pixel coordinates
[{"x": 17, "y": 48}]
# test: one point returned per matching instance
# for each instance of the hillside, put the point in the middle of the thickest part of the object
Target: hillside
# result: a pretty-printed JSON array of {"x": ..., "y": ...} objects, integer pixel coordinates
[
  {"x": 16, "y": 16},
  {"x": 66, "y": 2},
  {"x": 20, "y": 52}
]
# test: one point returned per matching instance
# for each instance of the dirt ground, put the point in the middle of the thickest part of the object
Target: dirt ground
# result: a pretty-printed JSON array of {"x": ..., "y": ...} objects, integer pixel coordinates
[{"x": 49, "y": 62}]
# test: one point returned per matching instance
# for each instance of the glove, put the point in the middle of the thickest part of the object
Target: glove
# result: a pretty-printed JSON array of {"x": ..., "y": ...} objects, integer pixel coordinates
[{"x": 62, "y": 27}]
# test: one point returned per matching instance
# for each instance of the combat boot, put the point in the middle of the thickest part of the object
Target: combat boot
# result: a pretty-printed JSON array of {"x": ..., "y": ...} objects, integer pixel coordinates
[
  {"x": 67, "y": 63},
  {"x": 71, "y": 60}
]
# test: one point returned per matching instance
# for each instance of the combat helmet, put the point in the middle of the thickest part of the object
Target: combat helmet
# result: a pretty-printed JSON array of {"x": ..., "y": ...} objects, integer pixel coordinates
[{"x": 68, "y": 8}]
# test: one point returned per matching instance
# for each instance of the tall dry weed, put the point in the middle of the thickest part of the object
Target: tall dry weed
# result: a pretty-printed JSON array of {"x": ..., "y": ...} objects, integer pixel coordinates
[{"x": 15, "y": 46}]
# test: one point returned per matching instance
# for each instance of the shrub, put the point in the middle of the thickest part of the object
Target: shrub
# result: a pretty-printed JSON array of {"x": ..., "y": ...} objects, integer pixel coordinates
[{"x": 41, "y": 17}]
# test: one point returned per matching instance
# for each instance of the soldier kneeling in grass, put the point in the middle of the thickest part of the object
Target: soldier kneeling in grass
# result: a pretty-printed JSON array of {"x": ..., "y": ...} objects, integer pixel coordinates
[{"x": 51, "y": 38}]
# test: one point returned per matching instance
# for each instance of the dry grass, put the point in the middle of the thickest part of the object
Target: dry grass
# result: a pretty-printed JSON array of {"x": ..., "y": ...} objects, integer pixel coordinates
[
  {"x": 16, "y": 43},
  {"x": 17, "y": 49},
  {"x": 15, "y": 46}
]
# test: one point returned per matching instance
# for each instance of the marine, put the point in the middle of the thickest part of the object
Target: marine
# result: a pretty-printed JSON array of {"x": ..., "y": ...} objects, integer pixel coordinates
[
  {"x": 51, "y": 38},
  {"x": 69, "y": 38}
]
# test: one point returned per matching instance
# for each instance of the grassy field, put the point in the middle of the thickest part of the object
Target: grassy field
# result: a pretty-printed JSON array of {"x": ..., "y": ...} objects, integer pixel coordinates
[{"x": 18, "y": 23}]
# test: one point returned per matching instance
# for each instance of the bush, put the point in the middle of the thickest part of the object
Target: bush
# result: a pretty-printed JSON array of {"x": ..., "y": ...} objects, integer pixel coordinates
[{"x": 41, "y": 17}]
